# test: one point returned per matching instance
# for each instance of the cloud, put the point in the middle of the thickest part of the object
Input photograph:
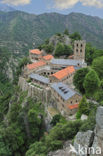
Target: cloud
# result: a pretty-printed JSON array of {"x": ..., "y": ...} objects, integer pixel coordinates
[
  {"x": 95, "y": 3},
  {"x": 16, "y": 2},
  {"x": 65, "y": 4}
]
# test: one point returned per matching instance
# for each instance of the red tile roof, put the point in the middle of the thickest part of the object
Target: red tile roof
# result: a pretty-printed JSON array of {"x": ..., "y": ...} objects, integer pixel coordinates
[
  {"x": 64, "y": 72},
  {"x": 36, "y": 64},
  {"x": 71, "y": 56},
  {"x": 35, "y": 51},
  {"x": 48, "y": 57},
  {"x": 73, "y": 106}
]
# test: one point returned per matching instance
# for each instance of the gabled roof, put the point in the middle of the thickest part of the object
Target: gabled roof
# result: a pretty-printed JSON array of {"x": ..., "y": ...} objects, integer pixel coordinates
[
  {"x": 39, "y": 78},
  {"x": 73, "y": 106},
  {"x": 64, "y": 72},
  {"x": 48, "y": 57},
  {"x": 36, "y": 64},
  {"x": 63, "y": 90},
  {"x": 35, "y": 51},
  {"x": 66, "y": 62}
]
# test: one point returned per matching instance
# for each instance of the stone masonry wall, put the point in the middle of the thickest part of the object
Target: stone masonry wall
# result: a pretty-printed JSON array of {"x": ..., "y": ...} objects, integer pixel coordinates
[{"x": 34, "y": 91}]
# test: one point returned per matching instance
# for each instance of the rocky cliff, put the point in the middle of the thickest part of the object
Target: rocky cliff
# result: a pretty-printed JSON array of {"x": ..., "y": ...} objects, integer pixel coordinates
[
  {"x": 91, "y": 140},
  {"x": 34, "y": 91},
  {"x": 88, "y": 143},
  {"x": 40, "y": 94}
]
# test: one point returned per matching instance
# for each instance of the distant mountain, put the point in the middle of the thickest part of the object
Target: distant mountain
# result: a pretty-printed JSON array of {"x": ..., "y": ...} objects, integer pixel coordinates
[
  {"x": 20, "y": 31},
  {"x": 6, "y": 8}
]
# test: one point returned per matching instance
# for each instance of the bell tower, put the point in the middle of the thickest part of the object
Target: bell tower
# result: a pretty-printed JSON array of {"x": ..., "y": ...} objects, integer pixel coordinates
[{"x": 79, "y": 50}]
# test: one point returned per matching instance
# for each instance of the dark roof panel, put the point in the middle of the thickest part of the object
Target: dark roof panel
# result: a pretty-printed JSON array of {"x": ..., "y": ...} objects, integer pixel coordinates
[
  {"x": 63, "y": 90},
  {"x": 39, "y": 78}
]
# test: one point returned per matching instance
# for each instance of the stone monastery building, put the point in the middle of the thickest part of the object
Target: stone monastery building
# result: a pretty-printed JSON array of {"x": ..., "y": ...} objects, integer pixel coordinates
[{"x": 56, "y": 75}]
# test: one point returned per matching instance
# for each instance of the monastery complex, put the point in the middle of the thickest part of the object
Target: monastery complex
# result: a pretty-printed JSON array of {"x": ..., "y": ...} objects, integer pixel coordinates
[{"x": 56, "y": 76}]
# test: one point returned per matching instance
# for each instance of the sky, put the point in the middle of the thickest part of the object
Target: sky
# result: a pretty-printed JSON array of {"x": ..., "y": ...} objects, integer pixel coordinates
[{"x": 89, "y": 7}]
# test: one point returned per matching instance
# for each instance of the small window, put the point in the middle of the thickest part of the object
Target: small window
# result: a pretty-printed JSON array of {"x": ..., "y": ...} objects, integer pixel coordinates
[
  {"x": 77, "y": 45},
  {"x": 81, "y": 50},
  {"x": 81, "y": 45},
  {"x": 76, "y": 101},
  {"x": 71, "y": 102},
  {"x": 62, "y": 105},
  {"x": 76, "y": 50}
]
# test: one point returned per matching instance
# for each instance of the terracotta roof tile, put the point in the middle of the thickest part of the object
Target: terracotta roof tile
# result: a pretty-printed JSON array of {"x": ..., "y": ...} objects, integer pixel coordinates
[
  {"x": 64, "y": 72},
  {"x": 71, "y": 57},
  {"x": 35, "y": 51},
  {"x": 48, "y": 57},
  {"x": 73, "y": 106},
  {"x": 36, "y": 64}
]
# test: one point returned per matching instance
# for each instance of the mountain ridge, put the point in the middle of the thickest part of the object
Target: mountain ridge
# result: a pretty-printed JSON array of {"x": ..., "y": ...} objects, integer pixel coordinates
[
  {"x": 6, "y": 8},
  {"x": 20, "y": 30}
]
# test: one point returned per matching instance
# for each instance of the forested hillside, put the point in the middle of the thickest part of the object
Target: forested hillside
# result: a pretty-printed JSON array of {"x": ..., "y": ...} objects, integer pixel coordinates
[{"x": 20, "y": 31}]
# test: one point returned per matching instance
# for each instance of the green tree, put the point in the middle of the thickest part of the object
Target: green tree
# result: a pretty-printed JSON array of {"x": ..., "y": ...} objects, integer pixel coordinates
[
  {"x": 66, "y": 32},
  {"x": 59, "y": 49},
  {"x": 75, "y": 36},
  {"x": 84, "y": 106},
  {"x": 62, "y": 49},
  {"x": 54, "y": 140},
  {"x": 101, "y": 84},
  {"x": 22, "y": 124},
  {"x": 48, "y": 48},
  {"x": 97, "y": 65},
  {"x": 97, "y": 53},
  {"x": 56, "y": 119},
  {"x": 90, "y": 123},
  {"x": 99, "y": 94},
  {"x": 21, "y": 64},
  {"x": 47, "y": 41},
  {"x": 89, "y": 52},
  {"x": 91, "y": 83},
  {"x": 4, "y": 149},
  {"x": 78, "y": 79},
  {"x": 68, "y": 50}
]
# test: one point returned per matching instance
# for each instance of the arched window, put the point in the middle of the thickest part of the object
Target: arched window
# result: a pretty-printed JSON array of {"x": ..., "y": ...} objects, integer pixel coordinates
[
  {"x": 77, "y": 50},
  {"x": 81, "y": 50}
]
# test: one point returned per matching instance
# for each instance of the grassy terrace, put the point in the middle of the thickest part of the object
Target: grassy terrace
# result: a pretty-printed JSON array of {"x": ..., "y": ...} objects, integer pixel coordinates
[{"x": 36, "y": 85}]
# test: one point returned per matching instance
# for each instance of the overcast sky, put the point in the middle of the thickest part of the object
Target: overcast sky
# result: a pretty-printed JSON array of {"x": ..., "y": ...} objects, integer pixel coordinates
[{"x": 90, "y": 7}]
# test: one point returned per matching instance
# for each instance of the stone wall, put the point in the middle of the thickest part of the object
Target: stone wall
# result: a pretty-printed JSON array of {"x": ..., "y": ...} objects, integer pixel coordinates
[
  {"x": 79, "y": 50},
  {"x": 34, "y": 91},
  {"x": 48, "y": 97},
  {"x": 92, "y": 139},
  {"x": 41, "y": 94}
]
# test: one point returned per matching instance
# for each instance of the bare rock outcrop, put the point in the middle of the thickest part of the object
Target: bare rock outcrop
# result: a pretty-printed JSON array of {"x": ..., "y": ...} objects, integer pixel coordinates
[
  {"x": 88, "y": 143},
  {"x": 91, "y": 140},
  {"x": 63, "y": 152},
  {"x": 83, "y": 140},
  {"x": 98, "y": 139}
]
